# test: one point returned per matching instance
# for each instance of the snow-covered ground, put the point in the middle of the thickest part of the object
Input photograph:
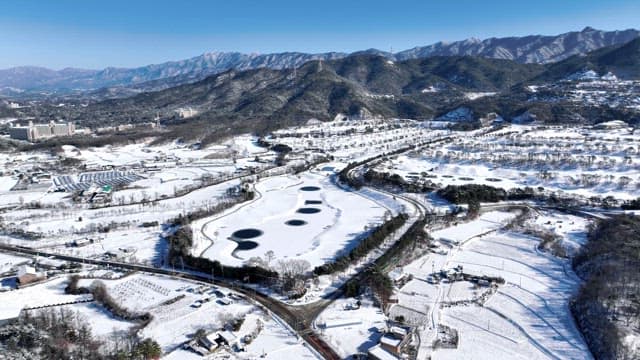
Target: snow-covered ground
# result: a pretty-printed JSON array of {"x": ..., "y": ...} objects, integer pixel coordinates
[
  {"x": 9, "y": 262},
  {"x": 571, "y": 228},
  {"x": 175, "y": 318},
  {"x": 103, "y": 324},
  {"x": 580, "y": 161},
  {"x": 243, "y": 146},
  {"x": 184, "y": 307},
  {"x": 50, "y": 292},
  {"x": 338, "y": 221},
  {"x": 527, "y": 317},
  {"x": 7, "y": 182},
  {"x": 351, "y": 331},
  {"x": 275, "y": 341},
  {"x": 460, "y": 233}
]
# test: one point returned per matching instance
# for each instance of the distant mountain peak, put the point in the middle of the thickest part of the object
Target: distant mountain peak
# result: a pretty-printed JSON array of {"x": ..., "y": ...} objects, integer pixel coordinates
[{"x": 528, "y": 49}]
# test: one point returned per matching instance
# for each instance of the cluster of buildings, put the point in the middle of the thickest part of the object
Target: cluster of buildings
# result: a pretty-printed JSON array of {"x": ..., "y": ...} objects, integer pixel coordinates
[
  {"x": 34, "y": 132},
  {"x": 213, "y": 342},
  {"x": 126, "y": 127}
]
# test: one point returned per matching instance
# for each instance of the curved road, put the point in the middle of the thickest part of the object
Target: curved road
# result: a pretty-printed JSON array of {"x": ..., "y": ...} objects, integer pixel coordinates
[{"x": 283, "y": 312}]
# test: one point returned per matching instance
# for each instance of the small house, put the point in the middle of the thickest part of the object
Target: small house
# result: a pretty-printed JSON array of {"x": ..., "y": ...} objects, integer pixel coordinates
[
  {"x": 28, "y": 274},
  {"x": 396, "y": 340},
  {"x": 226, "y": 338}
]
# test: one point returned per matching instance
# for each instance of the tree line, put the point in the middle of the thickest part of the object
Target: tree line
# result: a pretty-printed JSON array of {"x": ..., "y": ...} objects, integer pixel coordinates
[
  {"x": 608, "y": 303},
  {"x": 101, "y": 295},
  {"x": 373, "y": 240},
  {"x": 59, "y": 333},
  {"x": 344, "y": 177}
]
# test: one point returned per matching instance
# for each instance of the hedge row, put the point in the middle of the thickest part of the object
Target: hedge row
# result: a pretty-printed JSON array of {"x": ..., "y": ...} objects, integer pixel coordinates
[{"x": 372, "y": 241}]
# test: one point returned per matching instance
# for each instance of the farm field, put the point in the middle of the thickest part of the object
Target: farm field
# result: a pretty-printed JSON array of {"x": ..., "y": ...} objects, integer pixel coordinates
[
  {"x": 526, "y": 317},
  {"x": 171, "y": 303}
]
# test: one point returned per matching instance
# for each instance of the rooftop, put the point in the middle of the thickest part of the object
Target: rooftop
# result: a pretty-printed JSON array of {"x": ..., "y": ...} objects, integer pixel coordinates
[{"x": 380, "y": 353}]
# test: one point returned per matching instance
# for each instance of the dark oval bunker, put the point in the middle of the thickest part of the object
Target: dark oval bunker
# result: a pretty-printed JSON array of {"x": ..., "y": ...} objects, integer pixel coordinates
[
  {"x": 308, "y": 211},
  {"x": 296, "y": 222},
  {"x": 244, "y": 234},
  {"x": 310, "y": 188}
]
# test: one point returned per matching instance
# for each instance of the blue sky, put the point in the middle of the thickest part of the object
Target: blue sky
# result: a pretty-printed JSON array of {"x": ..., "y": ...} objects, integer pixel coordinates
[{"x": 96, "y": 34}]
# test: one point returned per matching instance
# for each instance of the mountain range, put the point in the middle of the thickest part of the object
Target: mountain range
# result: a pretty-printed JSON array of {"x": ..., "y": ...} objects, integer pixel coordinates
[
  {"x": 265, "y": 99},
  {"x": 121, "y": 82}
]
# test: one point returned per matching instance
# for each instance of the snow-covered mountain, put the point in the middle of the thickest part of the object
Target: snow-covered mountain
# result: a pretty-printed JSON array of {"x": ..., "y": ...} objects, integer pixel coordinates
[
  {"x": 123, "y": 81},
  {"x": 528, "y": 49}
]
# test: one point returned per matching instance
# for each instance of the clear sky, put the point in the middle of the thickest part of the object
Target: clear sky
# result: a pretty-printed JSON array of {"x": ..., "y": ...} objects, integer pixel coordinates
[{"x": 97, "y": 34}]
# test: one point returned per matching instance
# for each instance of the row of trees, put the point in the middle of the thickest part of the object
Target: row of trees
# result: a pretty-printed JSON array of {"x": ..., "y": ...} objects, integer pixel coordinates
[
  {"x": 344, "y": 177},
  {"x": 395, "y": 181},
  {"x": 631, "y": 204},
  {"x": 101, "y": 295},
  {"x": 413, "y": 240},
  {"x": 468, "y": 193},
  {"x": 375, "y": 277},
  {"x": 374, "y": 239}
]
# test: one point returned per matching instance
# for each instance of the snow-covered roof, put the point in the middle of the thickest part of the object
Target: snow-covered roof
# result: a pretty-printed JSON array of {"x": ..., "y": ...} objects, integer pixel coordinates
[
  {"x": 26, "y": 269},
  {"x": 50, "y": 262},
  {"x": 396, "y": 274},
  {"x": 391, "y": 341},
  {"x": 228, "y": 336},
  {"x": 379, "y": 353},
  {"x": 399, "y": 330}
]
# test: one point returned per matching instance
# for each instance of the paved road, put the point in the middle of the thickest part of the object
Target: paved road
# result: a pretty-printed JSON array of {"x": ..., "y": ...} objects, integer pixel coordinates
[{"x": 292, "y": 318}]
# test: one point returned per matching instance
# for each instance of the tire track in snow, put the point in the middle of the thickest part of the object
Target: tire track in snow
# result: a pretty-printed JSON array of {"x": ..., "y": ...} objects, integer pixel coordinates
[
  {"x": 536, "y": 314},
  {"x": 533, "y": 341}
]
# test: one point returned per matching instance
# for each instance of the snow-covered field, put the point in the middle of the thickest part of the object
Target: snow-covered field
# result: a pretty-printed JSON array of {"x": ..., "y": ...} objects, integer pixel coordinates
[
  {"x": 337, "y": 221},
  {"x": 527, "y": 317},
  {"x": 356, "y": 139},
  {"x": 351, "y": 331},
  {"x": 50, "y": 292},
  {"x": 7, "y": 182},
  {"x": 307, "y": 216},
  {"x": 175, "y": 318},
  {"x": 8, "y": 262},
  {"x": 172, "y": 303},
  {"x": 243, "y": 146},
  {"x": 580, "y": 161}
]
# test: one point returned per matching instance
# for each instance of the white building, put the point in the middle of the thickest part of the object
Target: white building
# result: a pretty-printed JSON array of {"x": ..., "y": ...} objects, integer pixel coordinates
[{"x": 33, "y": 132}]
